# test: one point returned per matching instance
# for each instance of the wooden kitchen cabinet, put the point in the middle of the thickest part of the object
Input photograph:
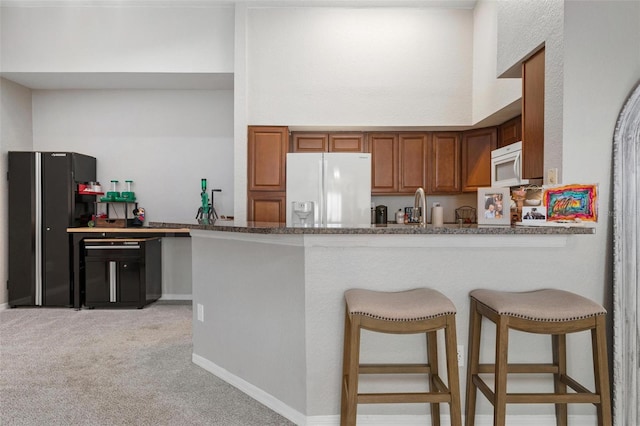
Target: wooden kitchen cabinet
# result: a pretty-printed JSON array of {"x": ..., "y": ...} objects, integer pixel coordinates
[
  {"x": 267, "y": 154},
  {"x": 328, "y": 142},
  {"x": 384, "y": 163},
  {"x": 310, "y": 142},
  {"x": 510, "y": 132},
  {"x": 476, "y": 158},
  {"x": 347, "y": 142},
  {"x": 266, "y": 166},
  {"x": 413, "y": 151},
  {"x": 533, "y": 116},
  {"x": 267, "y": 206},
  {"x": 444, "y": 163}
]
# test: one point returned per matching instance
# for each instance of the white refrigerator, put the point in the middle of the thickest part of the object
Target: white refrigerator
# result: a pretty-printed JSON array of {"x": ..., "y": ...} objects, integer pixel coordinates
[{"x": 338, "y": 184}]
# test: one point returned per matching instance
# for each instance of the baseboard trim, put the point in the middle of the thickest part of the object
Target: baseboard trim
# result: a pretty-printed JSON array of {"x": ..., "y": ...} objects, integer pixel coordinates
[
  {"x": 251, "y": 390},
  {"x": 419, "y": 420},
  {"x": 372, "y": 420},
  {"x": 175, "y": 297}
]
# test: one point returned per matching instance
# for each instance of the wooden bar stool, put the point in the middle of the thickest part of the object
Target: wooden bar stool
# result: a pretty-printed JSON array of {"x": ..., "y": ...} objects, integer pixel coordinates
[
  {"x": 419, "y": 310},
  {"x": 553, "y": 312}
]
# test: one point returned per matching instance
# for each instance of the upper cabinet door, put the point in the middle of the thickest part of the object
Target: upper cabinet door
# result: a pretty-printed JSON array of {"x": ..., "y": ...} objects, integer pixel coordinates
[
  {"x": 413, "y": 154},
  {"x": 510, "y": 132},
  {"x": 310, "y": 142},
  {"x": 444, "y": 170},
  {"x": 328, "y": 142},
  {"x": 267, "y": 154},
  {"x": 346, "y": 142},
  {"x": 533, "y": 116},
  {"x": 384, "y": 163},
  {"x": 476, "y": 158}
]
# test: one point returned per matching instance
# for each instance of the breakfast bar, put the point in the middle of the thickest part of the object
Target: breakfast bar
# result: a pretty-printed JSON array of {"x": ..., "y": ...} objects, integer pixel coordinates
[{"x": 269, "y": 308}]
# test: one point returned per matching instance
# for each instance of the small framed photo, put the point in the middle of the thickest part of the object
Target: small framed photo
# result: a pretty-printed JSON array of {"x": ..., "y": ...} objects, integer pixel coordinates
[
  {"x": 494, "y": 206},
  {"x": 533, "y": 215}
]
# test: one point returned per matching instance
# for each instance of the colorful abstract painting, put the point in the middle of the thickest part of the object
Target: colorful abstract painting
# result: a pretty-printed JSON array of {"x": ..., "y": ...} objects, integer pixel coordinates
[{"x": 572, "y": 202}]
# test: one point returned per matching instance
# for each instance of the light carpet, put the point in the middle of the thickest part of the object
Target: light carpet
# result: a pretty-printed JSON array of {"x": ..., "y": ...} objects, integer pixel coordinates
[{"x": 112, "y": 367}]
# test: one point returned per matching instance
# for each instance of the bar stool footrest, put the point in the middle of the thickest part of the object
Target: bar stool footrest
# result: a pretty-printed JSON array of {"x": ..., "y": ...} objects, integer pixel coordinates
[
  {"x": 583, "y": 396},
  {"x": 394, "y": 369},
  {"x": 395, "y": 398},
  {"x": 520, "y": 368}
]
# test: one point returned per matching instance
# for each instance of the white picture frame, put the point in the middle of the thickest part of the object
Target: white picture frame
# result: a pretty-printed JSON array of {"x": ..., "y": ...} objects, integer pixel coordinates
[
  {"x": 494, "y": 206},
  {"x": 534, "y": 215}
]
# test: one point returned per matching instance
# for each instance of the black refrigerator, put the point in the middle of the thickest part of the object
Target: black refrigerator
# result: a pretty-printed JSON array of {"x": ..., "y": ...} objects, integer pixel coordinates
[{"x": 44, "y": 202}]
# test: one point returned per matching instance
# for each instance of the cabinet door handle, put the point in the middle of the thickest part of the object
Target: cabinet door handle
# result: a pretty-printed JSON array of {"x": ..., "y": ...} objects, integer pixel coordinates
[
  {"x": 99, "y": 247},
  {"x": 112, "y": 281}
]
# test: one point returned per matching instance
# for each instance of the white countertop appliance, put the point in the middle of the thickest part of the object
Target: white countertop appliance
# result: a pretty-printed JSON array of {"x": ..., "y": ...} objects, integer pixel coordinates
[
  {"x": 506, "y": 166},
  {"x": 338, "y": 184}
]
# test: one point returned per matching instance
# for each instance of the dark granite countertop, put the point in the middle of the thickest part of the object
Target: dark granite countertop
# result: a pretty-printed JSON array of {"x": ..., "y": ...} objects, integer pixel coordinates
[{"x": 392, "y": 229}]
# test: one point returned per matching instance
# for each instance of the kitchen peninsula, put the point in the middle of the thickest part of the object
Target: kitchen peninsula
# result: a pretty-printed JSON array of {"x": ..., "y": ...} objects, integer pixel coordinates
[{"x": 268, "y": 300}]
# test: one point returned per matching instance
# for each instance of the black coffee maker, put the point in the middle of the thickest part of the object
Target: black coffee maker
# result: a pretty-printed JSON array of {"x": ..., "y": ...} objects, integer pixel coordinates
[{"x": 381, "y": 215}]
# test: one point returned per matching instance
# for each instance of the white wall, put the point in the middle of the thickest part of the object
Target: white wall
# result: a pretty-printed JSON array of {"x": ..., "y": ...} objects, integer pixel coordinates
[
  {"x": 490, "y": 94},
  {"x": 602, "y": 67},
  {"x": 164, "y": 140},
  {"x": 252, "y": 291},
  {"x": 15, "y": 135},
  {"x": 359, "y": 67},
  {"x": 240, "y": 117},
  {"x": 117, "y": 39}
]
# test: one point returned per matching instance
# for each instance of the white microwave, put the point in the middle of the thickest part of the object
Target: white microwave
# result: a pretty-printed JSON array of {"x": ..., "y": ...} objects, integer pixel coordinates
[{"x": 506, "y": 166}]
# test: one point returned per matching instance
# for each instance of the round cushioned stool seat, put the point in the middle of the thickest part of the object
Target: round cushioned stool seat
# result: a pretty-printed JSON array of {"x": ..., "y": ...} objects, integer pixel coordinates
[
  {"x": 410, "y": 305},
  {"x": 540, "y": 305}
]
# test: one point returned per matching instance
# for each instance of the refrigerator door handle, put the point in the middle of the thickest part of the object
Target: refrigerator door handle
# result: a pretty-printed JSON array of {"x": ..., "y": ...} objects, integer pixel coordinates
[{"x": 322, "y": 164}]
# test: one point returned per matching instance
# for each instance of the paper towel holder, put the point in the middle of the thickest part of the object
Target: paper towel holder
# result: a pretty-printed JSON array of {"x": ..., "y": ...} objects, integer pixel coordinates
[{"x": 437, "y": 215}]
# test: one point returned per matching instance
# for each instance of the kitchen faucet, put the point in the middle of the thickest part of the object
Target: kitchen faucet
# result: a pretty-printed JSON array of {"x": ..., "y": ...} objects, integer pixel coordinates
[{"x": 420, "y": 200}]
